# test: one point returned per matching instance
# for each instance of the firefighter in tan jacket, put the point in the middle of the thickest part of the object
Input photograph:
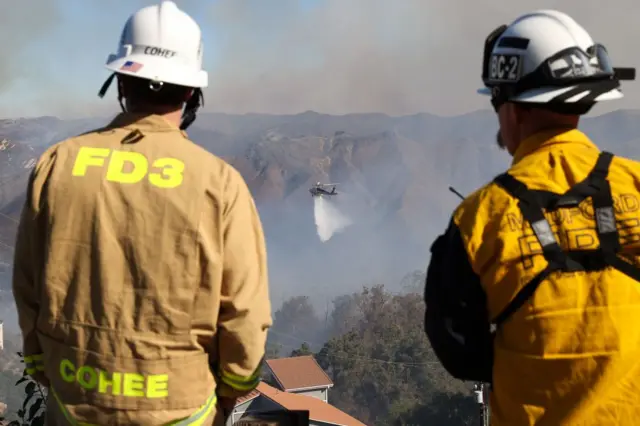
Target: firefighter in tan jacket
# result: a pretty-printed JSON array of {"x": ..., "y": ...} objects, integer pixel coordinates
[{"x": 140, "y": 270}]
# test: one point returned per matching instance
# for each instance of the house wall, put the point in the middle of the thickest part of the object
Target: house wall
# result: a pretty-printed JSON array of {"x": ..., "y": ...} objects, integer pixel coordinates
[
  {"x": 316, "y": 393},
  {"x": 256, "y": 405}
]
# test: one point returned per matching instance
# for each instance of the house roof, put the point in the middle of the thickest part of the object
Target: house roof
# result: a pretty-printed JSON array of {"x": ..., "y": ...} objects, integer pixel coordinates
[
  {"x": 318, "y": 410},
  {"x": 301, "y": 372},
  {"x": 248, "y": 397}
]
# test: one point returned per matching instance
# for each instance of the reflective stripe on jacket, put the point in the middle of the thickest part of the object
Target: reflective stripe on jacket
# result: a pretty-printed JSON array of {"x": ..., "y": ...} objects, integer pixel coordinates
[{"x": 571, "y": 353}]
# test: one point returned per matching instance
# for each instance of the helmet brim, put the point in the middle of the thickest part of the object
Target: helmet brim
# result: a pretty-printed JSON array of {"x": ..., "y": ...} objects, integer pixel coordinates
[
  {"x": 544, "y": 95},
  {"x": 160, "y": 69}
]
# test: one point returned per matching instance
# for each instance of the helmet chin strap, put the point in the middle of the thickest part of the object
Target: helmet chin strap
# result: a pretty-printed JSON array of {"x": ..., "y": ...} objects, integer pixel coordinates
[
  {"x": 190, "y": 110},
  {"x": 105, "y": 88}
]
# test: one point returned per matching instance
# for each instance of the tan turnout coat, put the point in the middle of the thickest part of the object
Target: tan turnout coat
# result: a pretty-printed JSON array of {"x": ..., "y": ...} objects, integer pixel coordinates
[{"x": 140, "y": 277}]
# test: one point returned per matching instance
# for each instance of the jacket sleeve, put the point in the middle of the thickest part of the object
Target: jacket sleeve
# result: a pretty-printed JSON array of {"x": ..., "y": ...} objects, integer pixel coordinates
[
  {"x": 27, "y": 268},
  {"x": 456, "y": 319},
  {"x": 245, "y": 308}
]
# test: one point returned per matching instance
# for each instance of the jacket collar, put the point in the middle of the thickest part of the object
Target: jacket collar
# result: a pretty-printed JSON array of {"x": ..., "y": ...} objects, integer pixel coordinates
[
  {"x": 144, "y": 123},
  {"x": 549, "y": 138}
]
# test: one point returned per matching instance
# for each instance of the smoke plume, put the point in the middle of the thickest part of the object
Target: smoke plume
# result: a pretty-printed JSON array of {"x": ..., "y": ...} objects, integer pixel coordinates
[
  {"x": 289, "y": 56},
  {"x": 22, "y": 23},
  {"x": 398, "y": 57}
]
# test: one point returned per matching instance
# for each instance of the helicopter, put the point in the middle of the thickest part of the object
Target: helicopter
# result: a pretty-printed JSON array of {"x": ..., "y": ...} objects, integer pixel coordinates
[{"x": 319, "y": 190}]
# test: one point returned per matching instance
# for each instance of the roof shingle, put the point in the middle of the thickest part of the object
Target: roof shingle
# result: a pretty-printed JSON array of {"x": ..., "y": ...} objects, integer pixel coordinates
[
  {"x": 254, "y": 393},
  {"x": 301, "y": 372}
]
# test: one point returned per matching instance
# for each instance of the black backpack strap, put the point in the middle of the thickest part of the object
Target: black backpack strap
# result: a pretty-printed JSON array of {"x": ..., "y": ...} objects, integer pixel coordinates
[
  {"x": 557, "y": 260},
  {"x": 603, "y": 206}
]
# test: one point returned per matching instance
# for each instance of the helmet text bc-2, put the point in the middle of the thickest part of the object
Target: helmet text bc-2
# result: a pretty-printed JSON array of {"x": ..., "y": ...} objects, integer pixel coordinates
[
  {"x": 548, "y": 59},
  {"x": 163, "y": 44}
]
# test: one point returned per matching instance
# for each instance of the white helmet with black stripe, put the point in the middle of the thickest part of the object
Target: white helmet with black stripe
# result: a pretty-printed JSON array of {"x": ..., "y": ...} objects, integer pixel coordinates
[{"x": 546, "y": 58}]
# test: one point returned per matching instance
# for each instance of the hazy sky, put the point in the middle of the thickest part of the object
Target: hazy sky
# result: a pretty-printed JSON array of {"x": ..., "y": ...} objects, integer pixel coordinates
[{"x": 287, "y": 56}]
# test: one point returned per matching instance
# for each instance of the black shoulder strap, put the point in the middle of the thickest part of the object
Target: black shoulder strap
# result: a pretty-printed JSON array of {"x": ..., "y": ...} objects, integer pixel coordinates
[
  {"x": 596, "y": 186},
  {"x": 532, "y": 212},
  {"x": 603, "y": 205}
]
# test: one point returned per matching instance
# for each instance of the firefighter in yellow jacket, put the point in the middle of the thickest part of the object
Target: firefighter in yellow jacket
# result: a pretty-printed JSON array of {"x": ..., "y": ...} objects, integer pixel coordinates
[
  {"x": 535, "y": 285},
  {"x": 140, "y": 270}
]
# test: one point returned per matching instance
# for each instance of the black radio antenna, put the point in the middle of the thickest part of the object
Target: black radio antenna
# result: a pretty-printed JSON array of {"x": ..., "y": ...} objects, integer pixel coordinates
[{"x": 452, "y": 189}]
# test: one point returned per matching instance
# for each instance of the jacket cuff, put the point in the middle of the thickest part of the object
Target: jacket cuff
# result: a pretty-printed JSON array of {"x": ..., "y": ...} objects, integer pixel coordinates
[{"x": 233, "y": 386}]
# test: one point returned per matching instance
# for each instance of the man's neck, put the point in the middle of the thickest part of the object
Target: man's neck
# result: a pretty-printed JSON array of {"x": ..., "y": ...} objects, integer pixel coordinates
[
  {"x": 172, "y": 115},
  {"x": 544, "y": 121},
  {"x": 531, "y": 131}
]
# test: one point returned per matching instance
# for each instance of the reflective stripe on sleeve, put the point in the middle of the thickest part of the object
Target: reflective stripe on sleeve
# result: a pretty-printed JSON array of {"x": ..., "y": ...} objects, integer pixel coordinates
[
  {"x": 241, "y": 383},
  {"x": 34, "y": 363}
]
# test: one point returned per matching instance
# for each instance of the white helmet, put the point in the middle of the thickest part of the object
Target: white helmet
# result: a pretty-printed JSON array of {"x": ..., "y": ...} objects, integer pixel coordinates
[
  {"x": 163, "y": 44},
  {"x": 545, "y": 57}
]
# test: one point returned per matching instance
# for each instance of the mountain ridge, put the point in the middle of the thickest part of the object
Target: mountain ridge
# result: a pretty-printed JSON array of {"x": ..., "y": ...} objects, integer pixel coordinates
[{"x": 393, "y": 174}]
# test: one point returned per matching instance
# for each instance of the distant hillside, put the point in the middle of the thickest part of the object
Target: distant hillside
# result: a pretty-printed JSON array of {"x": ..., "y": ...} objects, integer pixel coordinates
[{"x": 394, "y": 172}]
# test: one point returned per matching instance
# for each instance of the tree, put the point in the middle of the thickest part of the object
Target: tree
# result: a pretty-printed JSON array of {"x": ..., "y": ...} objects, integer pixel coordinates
[
  {"x": 272, "y": 351},
  {"x": 303, "y": 350},
  {"x": 414, "y": 282},
  {"x": 34, "y": 405},
  {"x": 294, "y": 323},
  {"x": 297, "y": 316},
  {"x": 445, "y": 409},
  {"x": 345, "y": 315},
  {"x": 383, "y": 369},
  {"x": 11, "y": 369}
]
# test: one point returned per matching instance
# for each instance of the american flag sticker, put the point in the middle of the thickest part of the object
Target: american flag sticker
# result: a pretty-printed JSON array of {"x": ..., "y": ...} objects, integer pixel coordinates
[{"x": 131, "y": 66}]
